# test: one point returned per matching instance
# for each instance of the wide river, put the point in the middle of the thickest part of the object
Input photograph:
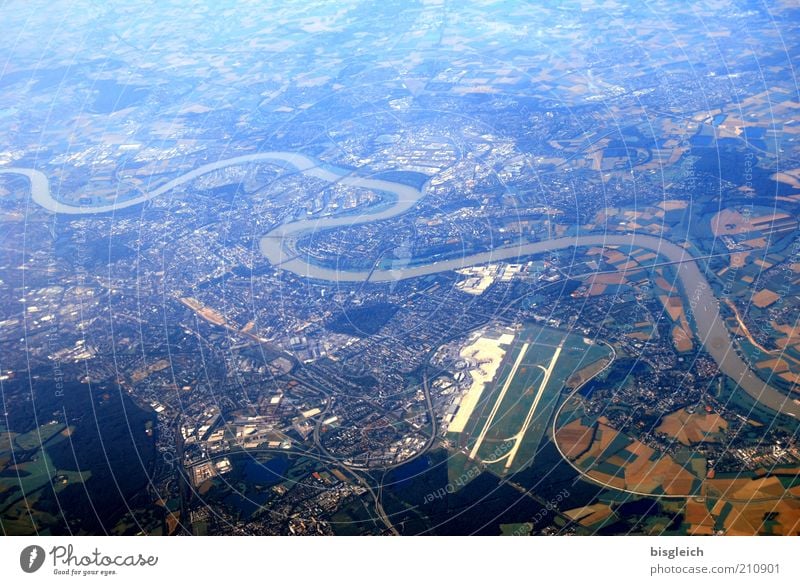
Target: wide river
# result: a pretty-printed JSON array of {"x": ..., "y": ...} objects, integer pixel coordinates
[{"x": 278, "y": 247}]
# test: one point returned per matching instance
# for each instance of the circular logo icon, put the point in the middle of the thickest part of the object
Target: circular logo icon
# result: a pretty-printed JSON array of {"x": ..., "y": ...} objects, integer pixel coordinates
[{"x": 31, "y": 558}]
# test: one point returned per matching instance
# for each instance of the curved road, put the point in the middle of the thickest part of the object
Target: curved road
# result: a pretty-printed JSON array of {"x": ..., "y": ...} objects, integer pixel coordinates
[{"x": 277, "y": 244}]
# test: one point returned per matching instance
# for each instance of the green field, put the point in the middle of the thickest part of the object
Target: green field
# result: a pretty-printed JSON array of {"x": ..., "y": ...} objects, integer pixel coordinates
[
  {"x": 36, "y": 438},
  {"x": 34, "y": 470},
  {"x": 507, "y": 426}
]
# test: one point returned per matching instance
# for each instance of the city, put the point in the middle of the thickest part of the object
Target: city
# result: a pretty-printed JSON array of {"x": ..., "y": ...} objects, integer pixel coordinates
[{"x": 394, "y": 270}]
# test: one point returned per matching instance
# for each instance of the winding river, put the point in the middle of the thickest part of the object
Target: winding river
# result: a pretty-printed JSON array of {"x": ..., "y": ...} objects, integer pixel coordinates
[{"x": 277, "y": 246}]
